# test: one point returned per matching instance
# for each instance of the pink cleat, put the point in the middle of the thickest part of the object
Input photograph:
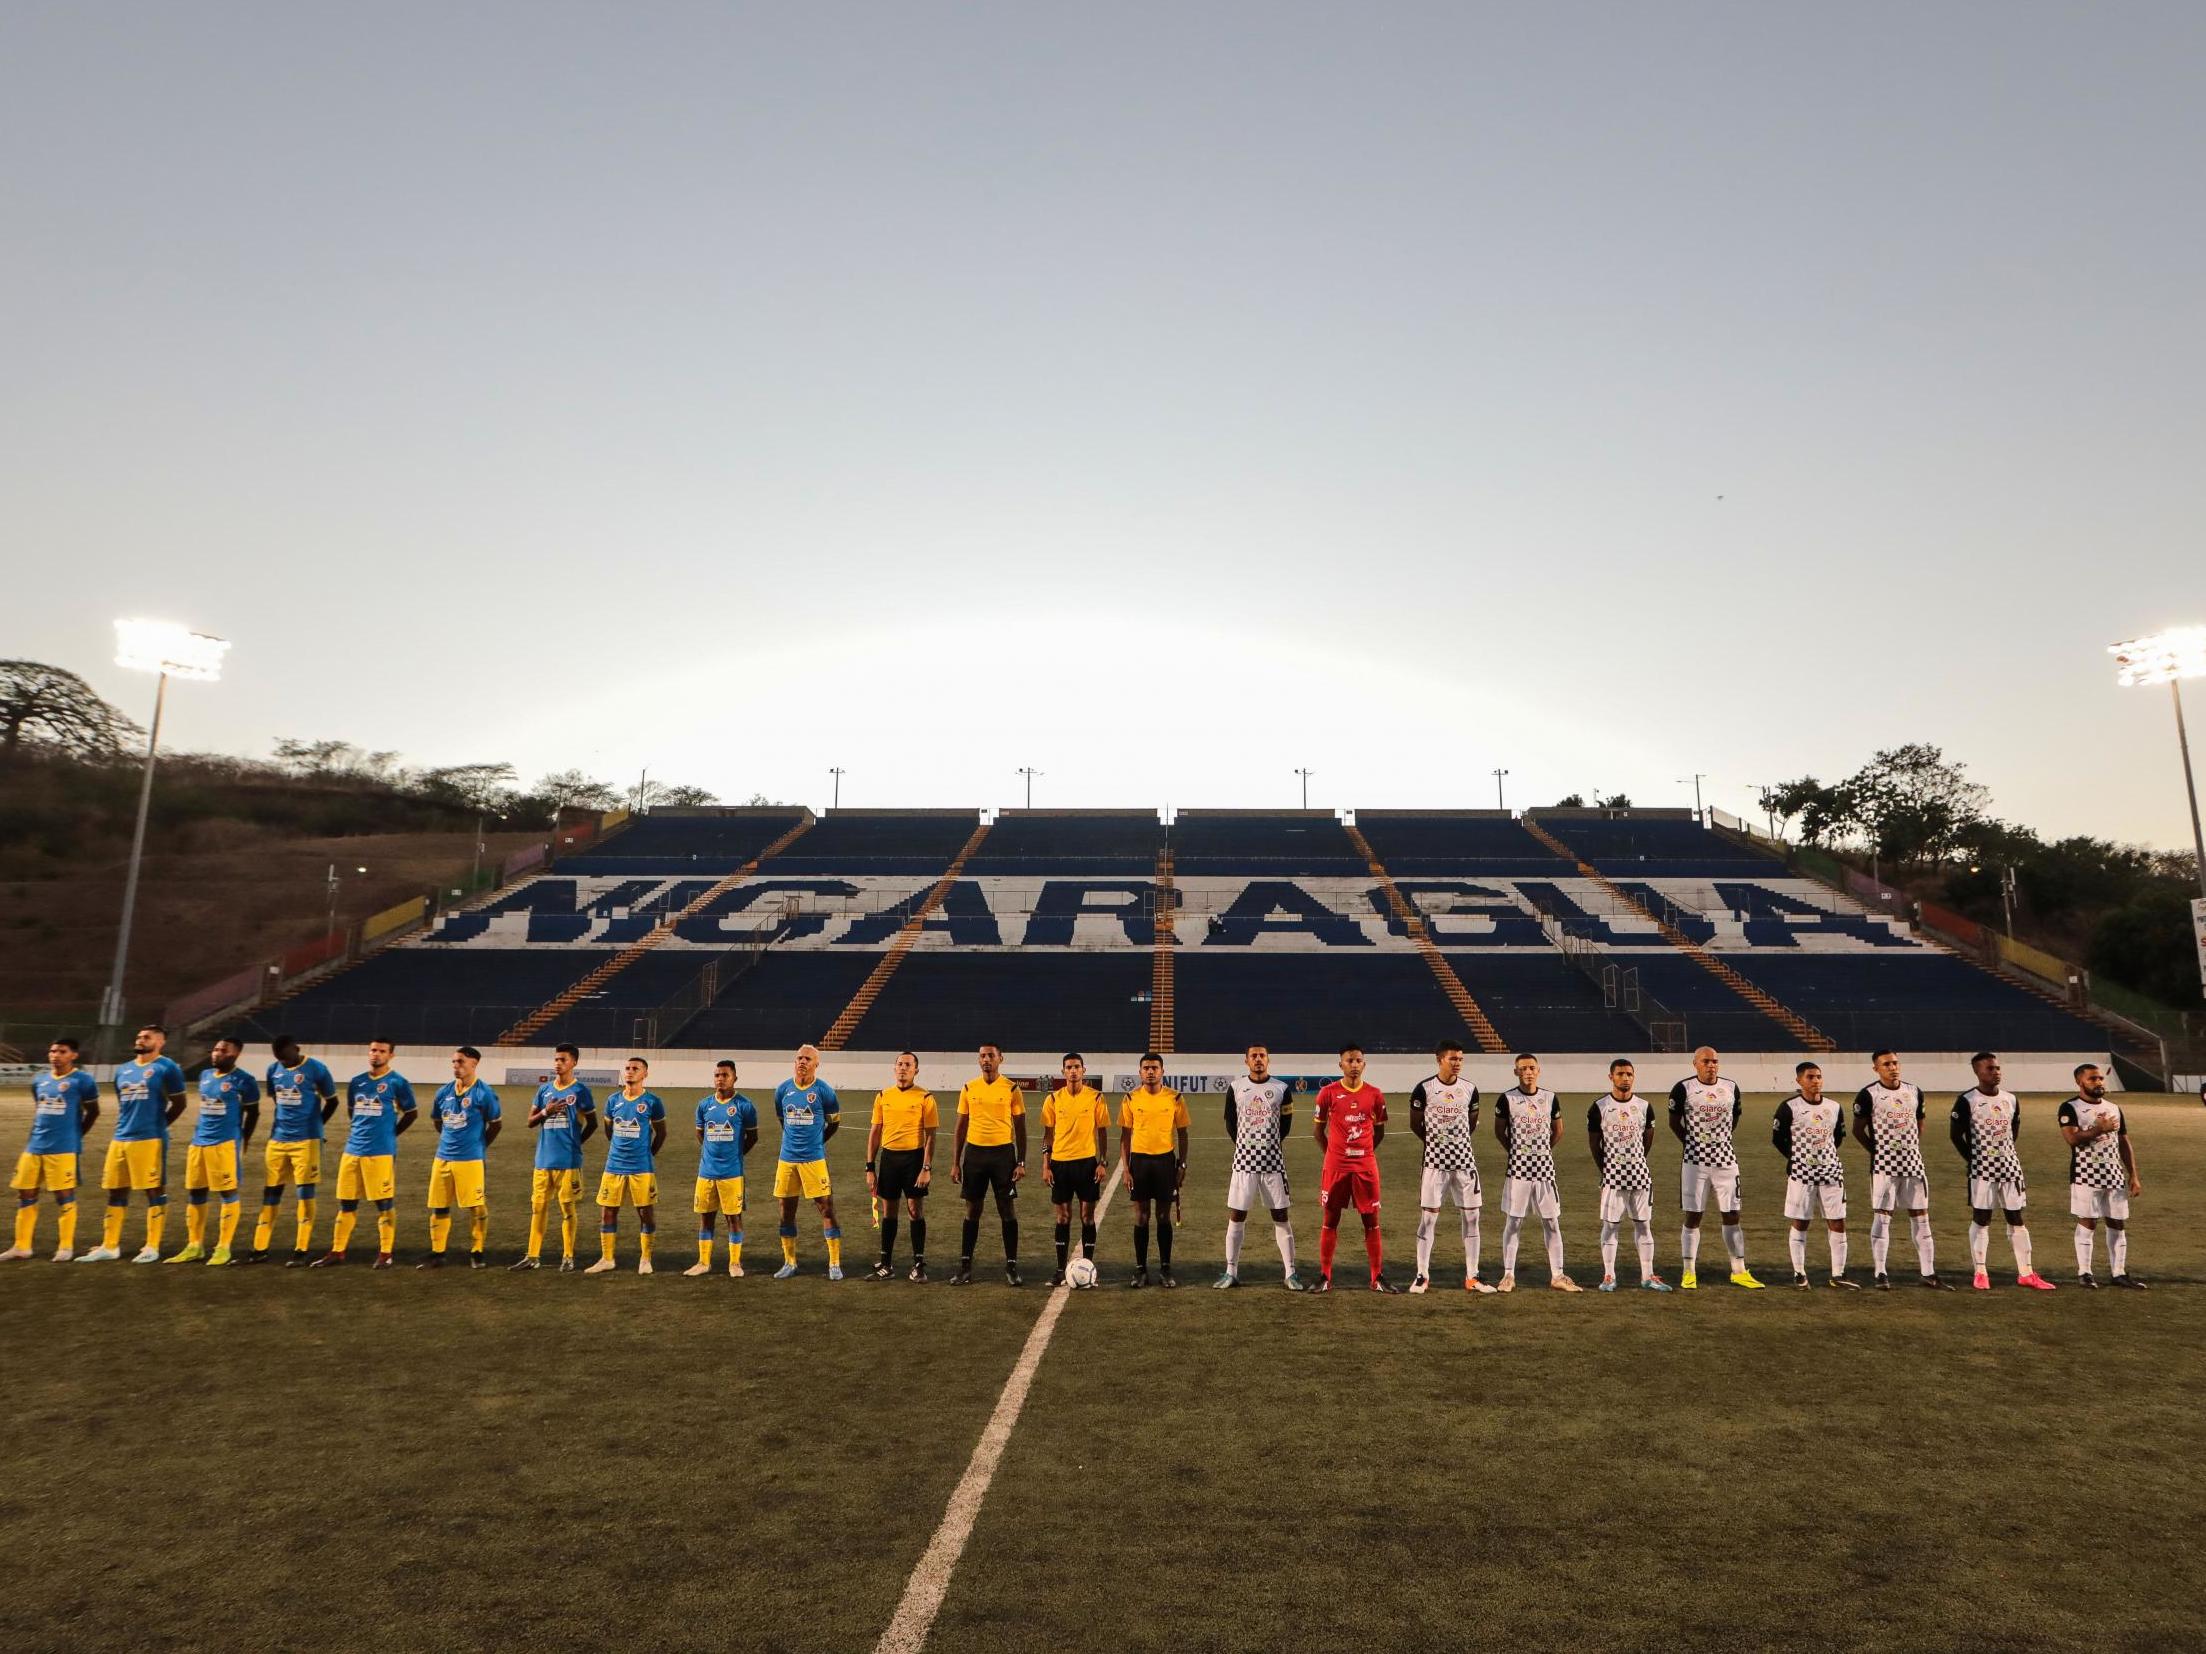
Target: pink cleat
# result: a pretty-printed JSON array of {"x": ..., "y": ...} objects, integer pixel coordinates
[
  {"x": 1983, "y": 1281},
  {"x": 2035, "y": 1282}
]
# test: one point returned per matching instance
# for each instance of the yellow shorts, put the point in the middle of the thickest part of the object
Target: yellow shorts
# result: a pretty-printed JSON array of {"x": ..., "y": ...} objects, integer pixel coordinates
[
  {"x": 563, "y": 1184},
  {"x": 367, "y": 1176},
  {"x": 294, "y": 1163},
  {"x": 57, "y": 1172},
  {"x": 719, "y": 1194},
  {"x": 455, "y": 1183},
  {"x": 139, "y": 1165},
  {"x": 640, "y": 1187},
  {"x": 211, "y": 1166},
  {"x": 808, "y": 1177}
]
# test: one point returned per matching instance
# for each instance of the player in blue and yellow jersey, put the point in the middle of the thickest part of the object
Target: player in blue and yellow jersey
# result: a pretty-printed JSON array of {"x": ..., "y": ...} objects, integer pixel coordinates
[
  {"x": 304, "y": 1096},
  {"x": 809, "y": 1116},
  {"x": 635, "y": 1129},
  {"x": 149, "y": 1095},
  {"x": 465, "y": 1114},
  {"x": 382, "y": 1106},
  {"x": 563, "y": 1117},
  {"x": 229, "y": 1109},
  {"x": 65, "y": 1100},
  {"x": 727, "y": 1128}
]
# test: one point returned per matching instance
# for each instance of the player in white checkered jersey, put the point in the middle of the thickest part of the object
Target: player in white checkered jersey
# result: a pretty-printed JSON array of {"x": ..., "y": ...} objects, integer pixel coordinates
[
  {"x": 2102, "y": 1175},
  {"x": 1259, "y": 1118},
  {"x": 1888, "y": 1118},
  {"x": 1987, "y": 1130},
  {"x": 1621, "y": 1129},
  {"x": 1704, "y": 1109},
  {"x": 1528, "y": 1119},
  {"x": 1443, "y": 1112},
  {"x": 1807, "y": 1131}
]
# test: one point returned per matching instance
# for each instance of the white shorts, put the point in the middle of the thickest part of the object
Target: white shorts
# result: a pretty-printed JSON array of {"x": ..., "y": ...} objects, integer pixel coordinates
[
  {"x": 1897, "y": 1194},
  {"x": 1439, "y": 1182},
  {"x": 1254, "y": 1191},
  {"x": 1697, "y": 1182},
  {"x": 1985, "y": 1194},
  {"x": 1520, "y": 1195},
  {"x": 1616, "y": 1205},
  {"x": 2086, "y": 1201},
  {"x": 1807, "y": 1200}
]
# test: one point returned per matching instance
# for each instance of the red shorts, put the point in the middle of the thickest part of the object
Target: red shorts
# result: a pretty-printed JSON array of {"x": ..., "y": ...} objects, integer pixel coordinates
[{"x": 1351, "y": 1181}]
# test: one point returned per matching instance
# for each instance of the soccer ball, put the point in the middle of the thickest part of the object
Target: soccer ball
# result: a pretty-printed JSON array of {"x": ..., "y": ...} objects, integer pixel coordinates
[{"x": 1080, "y": 1273}]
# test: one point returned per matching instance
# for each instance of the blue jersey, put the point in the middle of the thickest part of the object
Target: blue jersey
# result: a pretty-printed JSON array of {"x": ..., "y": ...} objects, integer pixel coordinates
[
  {"x": 142, "y": 1092},
  {"x": 559, "y": 1137},
  {"x": 460, "y": 1117},
  {"x": 222, "y": 1100},
  {"x": 376, "y": 1106},
  {"x": 628, "y": 1124},
  {"x": 57, "y": 1111},
  {"x": 804, "y": 1111},
  {"x": 724, "y": 1124},
  {"x": 299, "y": 1094}
]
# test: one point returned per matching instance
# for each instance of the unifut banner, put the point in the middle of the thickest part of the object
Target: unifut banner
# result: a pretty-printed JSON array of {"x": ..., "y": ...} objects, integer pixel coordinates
[{"x": 2198, "y": 930}]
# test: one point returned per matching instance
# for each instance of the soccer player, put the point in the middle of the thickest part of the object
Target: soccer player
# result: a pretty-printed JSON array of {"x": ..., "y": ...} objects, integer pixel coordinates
[
  {"x": 900, "y": 1163},
  {"x": 1807, "y": 1131},
  {"x": 1986, "y": 1129},
  {"x": 305, "y": 1096},
  {"x": 809, "y": 1114},
  {"x": 466, "y": 1114},
  {"x": 1529, "y": 1122},
  {"x": 2102, "y": 1176},
  {"x": 1351, "y": 1124},
  {"x": 1704, "y": 1108},
  {"x": 1076, "y": 1125},
  {"x": 635, "y": 1127},
  {"x": 1888, "y": 1118},
  {"x": 1259, "y": 1119},
  {"x": 1621, "y": 1129},
  {"x": 229, "y": 1109},
  {"x": 1152, "y": 1139},
  {"x": 988, "y": 1154},
  {"x": 65, "y": 1100},
  {"x": 149, "y": 1095},
  {"x": 727, "y": 1130},
  {"x": 564, "y": 1117},
  {"x": 1443, "y": 1112},
  {"x": 381, "y": 1103}
]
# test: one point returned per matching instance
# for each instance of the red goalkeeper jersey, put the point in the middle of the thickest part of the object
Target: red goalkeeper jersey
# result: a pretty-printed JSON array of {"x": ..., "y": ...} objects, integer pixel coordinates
[{"x": 1352, "y": 1120}]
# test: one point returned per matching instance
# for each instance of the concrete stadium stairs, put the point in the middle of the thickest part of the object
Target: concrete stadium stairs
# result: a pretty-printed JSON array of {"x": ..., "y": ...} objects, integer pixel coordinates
[
  {"x": 839, "y": 1032},
  {"x": 1160, "y": 970},
  {"x": 1473, "y": 1014}
]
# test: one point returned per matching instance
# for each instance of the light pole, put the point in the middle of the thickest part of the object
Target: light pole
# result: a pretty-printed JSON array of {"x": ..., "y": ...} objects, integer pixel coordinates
[
  {"x": 1030, "y": 772},
  {"x": 167, "y": 650},
  {"x": 837, "y": 771},
  {"x": 2170, "y": 657},
  {"x": 1500, "y": 803},
  {"x": 1305, "y": 774},
  {"x": 331, "y": 929},
  {"x": 481, "y": 817},
  {"x": 1697, "y": 777}
]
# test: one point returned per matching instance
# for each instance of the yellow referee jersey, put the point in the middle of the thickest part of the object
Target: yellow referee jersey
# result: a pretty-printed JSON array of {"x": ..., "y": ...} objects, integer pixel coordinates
[
  {"x": 1154, "y": 1118},
  {"x": 989, "y": 1106},
  {"x": 1077, "y": 1121},
  {"x": 902, "y": 1115}
]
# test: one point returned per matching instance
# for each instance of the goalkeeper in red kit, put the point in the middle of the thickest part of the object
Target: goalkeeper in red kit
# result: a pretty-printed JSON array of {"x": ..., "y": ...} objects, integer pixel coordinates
[{"x": 1351, "y": 1123}]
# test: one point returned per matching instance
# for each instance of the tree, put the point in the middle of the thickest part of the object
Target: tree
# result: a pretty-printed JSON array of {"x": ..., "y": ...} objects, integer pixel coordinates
[
  {"x": 44, "y": 706},
  {"x": 1913, "y": 805},
  {"x": 1570, "y": 801},
  {"x": 688, "y": 797},
  {"x": 759, "y": 800},
  {"x": 478, "y": 786},
  {"x": 2148, "y": 945},
  {"x": 1826, "y": 813},
  {"x": 1617, "y": 801},
  {"x": 572, "y": 790}
]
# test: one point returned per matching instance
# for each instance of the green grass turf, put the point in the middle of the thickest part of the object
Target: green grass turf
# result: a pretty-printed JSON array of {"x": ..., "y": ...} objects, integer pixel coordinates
[{"x": 250, "y": 1458}]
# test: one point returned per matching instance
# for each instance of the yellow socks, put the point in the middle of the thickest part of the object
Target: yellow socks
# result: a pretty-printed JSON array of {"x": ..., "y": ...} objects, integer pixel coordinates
[
  {"x": 440, "y": 1230},
  {"x": 834, "y": 1249},
  {"x": 788, "y": 1249},
  {"x": 605, "y": 1239},
  {"x": 704, "y": 1248},
  {"x": 478, "y": 1227},
  {"x": 735, "y": 1254},
  {"x": 26, "y": 1225},
  {"x": 570, "y": 1222},
  {"x": 307, "y": 1207},
  {"x": 111, "y": 1227},
  {"x": 340, "y": 1231},
  {"x": 228, "y": 1231},
  {"x": 157, "y": 1221},
  {"x": 195, "y": 1223},
  {"x": 536, "y": 1229},
  {"x": 386, "y": 1232},
  {"x": 264, "y": 1228},
  {"x": 646, "y": 1241},
  {"x": 69, "y": 1226}
]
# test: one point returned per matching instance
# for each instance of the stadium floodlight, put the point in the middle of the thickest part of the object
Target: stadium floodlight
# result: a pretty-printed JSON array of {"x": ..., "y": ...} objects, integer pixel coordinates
[
  {"x": 1500, "y": 802},
  {"x": 2169, "y": 657},
  {"x": 168, "y": 651}
]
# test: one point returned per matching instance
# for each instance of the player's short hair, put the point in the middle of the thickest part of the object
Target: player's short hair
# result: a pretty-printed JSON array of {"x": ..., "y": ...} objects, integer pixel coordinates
[
  {"x": 1074, "y": 1056},
  {"x": 914, "y": 1055},
  {"x": 1524, "y": 1056},
  {"x": 723, "y": 1063},
  {"x": 1622, "y": 1062},
  {"x": 380, "y": 1040},
  {"x": 1254, "y": 1045},
  {"x": 1983, "y": 1056},
  {"x": 153, "y": 1028},
  {"x": 566, "y": 1050},
  {"x": 1352, "y": 1045},
  {"x": 70, "y": 1040},
  {"x": 469, "y": 1052},
  {"x": 2084, "y": 1068},
  {"x": 1151, "y": 1056},
  {"x": 990, "y": 1045},
  {"x": 282, "y": 1040},
  {"x": 1881, "y": 1053},
  {"x": 229, "y": 1037},
  {"x": 1445, "y": 1046},
  {"x": 643, "y": 1063},
  {"x": 1800, "y": 1068}
]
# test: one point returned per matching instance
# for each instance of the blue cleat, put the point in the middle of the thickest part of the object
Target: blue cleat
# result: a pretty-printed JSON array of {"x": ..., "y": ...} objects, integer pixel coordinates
[
  {"x": 1608, "y": 1284},
  {"x": 1654, "y": 1283}
]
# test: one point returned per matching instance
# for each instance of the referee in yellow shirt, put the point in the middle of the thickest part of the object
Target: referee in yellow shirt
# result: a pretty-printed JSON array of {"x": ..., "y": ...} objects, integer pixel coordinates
[
  {"x": 1152, "y": 1133},
  {"x": 900, "y": 1163},
  {"x": 1076, "y": 1130},
  {"x": 990, "y": 1154}
]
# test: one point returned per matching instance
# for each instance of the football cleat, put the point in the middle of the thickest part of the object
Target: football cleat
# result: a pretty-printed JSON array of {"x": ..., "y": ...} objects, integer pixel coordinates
[
  {"x": 1844, "y": 1284},
  {"x": 604, "y": 1266},
  {"x": 735, "y": 1270},
  {"x": 1139, "y": 1278},
  {"x": 14, "y": 1253},
  {"x": 1507, "y": 1283},
  {"x": 2035, "y": 1282},
  {"x": 1226, "y": 1282},
  {"x": 1884, "y": 1283},
  {"x": 567, "y": 1265},
  {"x": 67, "y": 1254},
  {"x": 298, "y": 1260},
  {"x": 2129, "y": 1283},
  {"x": 1165, "y": 1277},
  {"x": 697, "y": 1269},
  {"x": 643, "y": 1267},
  {"x": 1471, "y": 1283},
  {"x": 1419, "y": 1287},
  {"x": 525, "y": 1263},
  {"x": 149, "y": 1254},
  {"x": 190, "y": 1254},
  {"x": 834, "y": 1271},
  {"x": 1563, "y": 1283},
  {"x": 1983, "y": 1281},
  {"x": 1324, "y": 1284},
  {"x": 917, "y": 1272},
  {"x": 253, "y": 1257},
  {"x": 1011, "y": 1276},
  {"x": 220, "y": 1258},
  {"x": 882, "y": 1272},
  {"x": 475, "y": 1260},
  {"x": 1936, "y": 1285},
  {"x": 1800, "y": 1282},
  {"x": 961, "y": 1277},
  {"x": 383, "y": 1260},
  {"x": 785, "y": 1271},
  {"x": 1689, "y": 1281},
  {"x": 1293, "y": 1283},
  {"x": 100, "y": 1254},
  {"x": 1379, "y": 1283},
  {"x": 1608, "y": 1284},
  {"x": 434, "y": 1260},
  {"x": 1745, "y": 1278},
  {"x": 2087, "y": 1283},
  {"x": 1654, "y": 1283}
]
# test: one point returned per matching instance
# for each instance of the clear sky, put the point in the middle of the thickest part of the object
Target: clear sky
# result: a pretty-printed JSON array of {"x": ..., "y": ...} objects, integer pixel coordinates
[{"x": 1162, "y": 395}]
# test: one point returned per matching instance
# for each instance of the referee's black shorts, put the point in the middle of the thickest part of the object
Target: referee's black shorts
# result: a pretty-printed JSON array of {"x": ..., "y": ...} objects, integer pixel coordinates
[
  {"x": 896, "y": 1174},
  {"x": 1155, "y": 1177},
  {"x": 1072, "y": 1180},
  {"x": 989, "y": 1168}
]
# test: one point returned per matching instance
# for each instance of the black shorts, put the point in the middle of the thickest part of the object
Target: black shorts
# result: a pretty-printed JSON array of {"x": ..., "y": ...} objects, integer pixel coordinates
[
  {"x": 1155, "y": 1177},
  {"x": 896, "y": 1174},
  {"x": 1076, "y": 1180},
  {"x": 990, "y": 1168}
]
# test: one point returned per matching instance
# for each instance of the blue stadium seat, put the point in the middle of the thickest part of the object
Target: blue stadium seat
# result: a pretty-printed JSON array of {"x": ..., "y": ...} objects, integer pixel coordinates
[{"x": 1022, "y": 1001}]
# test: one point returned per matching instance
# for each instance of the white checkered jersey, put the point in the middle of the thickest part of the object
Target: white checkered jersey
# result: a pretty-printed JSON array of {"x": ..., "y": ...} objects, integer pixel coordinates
[
  {"x": 1987, "y": 1124},
  {"x": 1257, "y": 1111},
  {"x": 1810, "y": 1133},
  {"x": 1707, "y": 1112},
  {"x": 1623, "y": 1128},
  {"x": 1890, "y": 1120},
  {"x": 1526, "y": 1122},
  {"x": 2096, "y": 1163},
  {"x": 1450, "y": 1112}
]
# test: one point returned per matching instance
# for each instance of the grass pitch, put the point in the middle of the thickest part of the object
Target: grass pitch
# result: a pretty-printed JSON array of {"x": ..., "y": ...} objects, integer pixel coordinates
[{"x": 254, "y": 1458}]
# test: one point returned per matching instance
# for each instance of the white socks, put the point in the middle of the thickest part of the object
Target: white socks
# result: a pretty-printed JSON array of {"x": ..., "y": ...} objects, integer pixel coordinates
[
  {"x": 1797, "y": 1242},
  {"x": 1427, "y": 1222},
  {"x": 1511, "y": 1230},
  {"x": 1470, "y": 1243},
  {"x": 1734, "y": 1242},
  {"x": 1688, "y": 1248},
  {"x": 1554, "y": 1227},
  {"x": 1880, "y": 1240},
  {"x": 1643, "y": 1237},
  {"x": 1838, "y": 1251},
  {"x": 2084, "y": 1234},
  {"x": 1283, "y": 1234},
  {"x": 1980, "y": 1244},
  {"x": 1608, "y": 1250},
  {"x": 1235, "y": 1229},
  {"x": 1926, "y": 1249},
  {"x": 2018, "y": 1237},
  {"x": 2117, "y": 1252}
]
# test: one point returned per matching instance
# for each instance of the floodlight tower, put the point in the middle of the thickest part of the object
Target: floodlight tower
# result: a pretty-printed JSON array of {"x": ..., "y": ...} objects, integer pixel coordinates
[{"x": 2169, "y": 657}]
